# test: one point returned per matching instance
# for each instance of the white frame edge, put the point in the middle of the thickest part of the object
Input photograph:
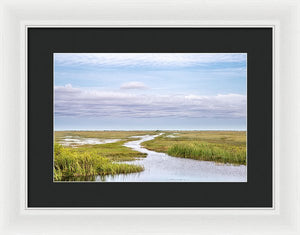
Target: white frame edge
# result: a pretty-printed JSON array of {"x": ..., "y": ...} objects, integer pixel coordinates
[{"x": 16, "y": 218}]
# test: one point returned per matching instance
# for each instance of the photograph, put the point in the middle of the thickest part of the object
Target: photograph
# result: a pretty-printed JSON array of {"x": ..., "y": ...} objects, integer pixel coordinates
[{"x": 150, "y": 117}]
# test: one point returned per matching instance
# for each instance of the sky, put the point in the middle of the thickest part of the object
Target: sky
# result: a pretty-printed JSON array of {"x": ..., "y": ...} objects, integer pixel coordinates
[{"x": 150, "y": 91}]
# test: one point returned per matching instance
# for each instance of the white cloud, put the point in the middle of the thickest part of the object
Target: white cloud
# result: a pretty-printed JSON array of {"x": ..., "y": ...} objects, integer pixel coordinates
[
  {"x": 68, "y": 85},
  {"x": 77, "y": 102},
  {"x": 133, "y": 85},
  {"x": 146, "y": 59}
]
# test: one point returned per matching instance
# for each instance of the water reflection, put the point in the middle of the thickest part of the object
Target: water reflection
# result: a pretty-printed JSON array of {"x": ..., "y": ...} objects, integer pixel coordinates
[{"x": 79, "y": 178}]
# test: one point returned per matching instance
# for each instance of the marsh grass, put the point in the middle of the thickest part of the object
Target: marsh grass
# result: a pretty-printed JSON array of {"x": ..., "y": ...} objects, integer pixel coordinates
[
  {"x": 71, "y": 162},
  {"x": 83, "y": 162},
  {"x": 114, "y": 151},
  {"x": 209, "y": 152},
  {"x": 218, "y": 146}
]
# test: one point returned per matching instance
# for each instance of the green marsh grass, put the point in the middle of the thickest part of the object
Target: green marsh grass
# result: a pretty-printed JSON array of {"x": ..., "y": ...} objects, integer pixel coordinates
[
  {"x": 70, "y": 162},
  {"x": 217, "y": 146},
  {"x": 114, "y": 151},
  {"x": 209, "y": 152}
]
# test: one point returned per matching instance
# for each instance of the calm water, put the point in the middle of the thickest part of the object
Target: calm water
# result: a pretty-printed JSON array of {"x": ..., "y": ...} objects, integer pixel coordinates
[{"x": 160, "y": 167}]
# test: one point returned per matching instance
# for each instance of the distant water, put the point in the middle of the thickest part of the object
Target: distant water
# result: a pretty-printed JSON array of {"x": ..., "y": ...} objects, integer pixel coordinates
[
  {"x": 160, "y": 167},
  {"x": 76, "y": 140}
]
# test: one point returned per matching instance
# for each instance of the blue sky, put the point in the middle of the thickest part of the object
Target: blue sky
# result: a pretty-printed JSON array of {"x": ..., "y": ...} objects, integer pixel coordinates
[{"x": 150, "y": 91}]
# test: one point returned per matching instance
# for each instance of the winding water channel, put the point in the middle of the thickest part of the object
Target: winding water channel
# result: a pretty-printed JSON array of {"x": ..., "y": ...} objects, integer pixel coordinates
[{"x": 160, "y": 167}]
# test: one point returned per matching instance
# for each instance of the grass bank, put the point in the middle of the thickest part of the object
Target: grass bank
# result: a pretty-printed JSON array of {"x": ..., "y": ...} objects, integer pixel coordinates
[
  {"x": 75, "y": 162},
  {"x": 218, "y": 146},
  {"x": 114, "y": 151}
]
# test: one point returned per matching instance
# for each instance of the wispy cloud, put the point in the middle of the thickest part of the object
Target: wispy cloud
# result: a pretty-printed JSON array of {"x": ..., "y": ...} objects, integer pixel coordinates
[
  {"x": 76, "y": 102},
  {"x": 133, "y": 85},
  {"x": 146, "y": 59}
]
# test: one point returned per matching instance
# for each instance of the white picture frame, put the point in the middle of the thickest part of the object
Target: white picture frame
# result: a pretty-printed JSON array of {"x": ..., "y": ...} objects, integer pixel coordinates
[{"x": 282, "y": 15}]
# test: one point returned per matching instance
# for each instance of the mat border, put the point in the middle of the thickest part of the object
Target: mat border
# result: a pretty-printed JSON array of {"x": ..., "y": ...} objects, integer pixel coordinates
[{"x": 29, "y": 26}]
